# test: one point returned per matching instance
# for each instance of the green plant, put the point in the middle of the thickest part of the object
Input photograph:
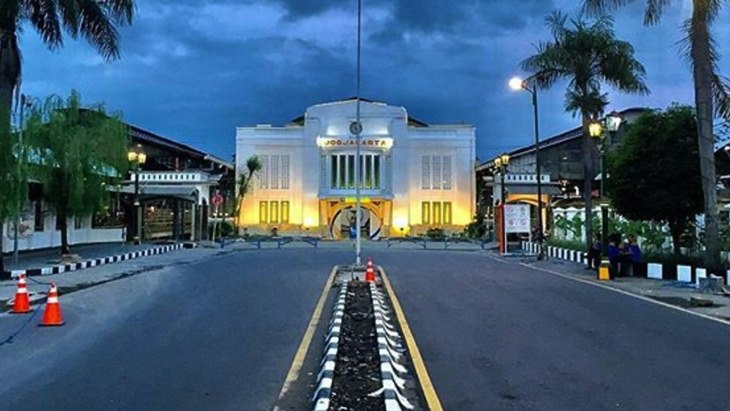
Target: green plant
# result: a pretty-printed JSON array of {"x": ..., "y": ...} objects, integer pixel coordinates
[
  {"x": 569, "y": 244},
  {"x": 712, "y": 94},
  {"x": 667, "y": 192},
  {"x": 435, "y": 233},
  {"x": 477, "y": 227},
  {"x": 574, "y": 225},
  {"x": 77, "y": 154},
  {"x": 253, "y": 165}
]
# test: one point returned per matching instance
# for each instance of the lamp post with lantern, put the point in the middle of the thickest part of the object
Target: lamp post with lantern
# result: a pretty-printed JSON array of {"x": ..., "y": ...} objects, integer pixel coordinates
[
  {"x": 516, "y": 84},
  {"x": 597, "y": 130},
  {"x": 137, "y": 158},
  {"x": 500, "y": 165}
]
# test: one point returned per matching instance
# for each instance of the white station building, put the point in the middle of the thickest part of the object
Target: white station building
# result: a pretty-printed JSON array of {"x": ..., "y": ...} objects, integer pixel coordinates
[{"x": 415, "y": 176}]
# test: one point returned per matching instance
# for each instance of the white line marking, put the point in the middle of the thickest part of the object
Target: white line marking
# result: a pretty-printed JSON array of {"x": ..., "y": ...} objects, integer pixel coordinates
[{"x": 608, "y": 287}]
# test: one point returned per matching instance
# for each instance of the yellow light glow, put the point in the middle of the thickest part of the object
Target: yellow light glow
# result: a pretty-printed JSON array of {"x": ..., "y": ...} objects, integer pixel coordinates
[
  {"x": 309, "y": 221},
  {"x": 400, "y": 222},
  {"x": 595, "y": 129}
]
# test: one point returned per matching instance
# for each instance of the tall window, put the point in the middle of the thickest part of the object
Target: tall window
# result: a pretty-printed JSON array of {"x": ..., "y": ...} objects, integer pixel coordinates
[
  {"x": 425, "y": 212},
  {"x": 273, "y": 212},
  {"x": 284, "y": 172},
  {"x": 284, "y": 212},
  {"x": 275, "y": 171},
  {"x": 436, "y": 213},
  {"x": 436, "y": 173},
  {"x": 342, "y": 171},
  {"x": 447, "y": 213},
  {"x": 446, "y": 173},
  {"x": 264, "y": 180},
  {"x": 263, "y": 212},
  {"x": 426, "y": 172}
]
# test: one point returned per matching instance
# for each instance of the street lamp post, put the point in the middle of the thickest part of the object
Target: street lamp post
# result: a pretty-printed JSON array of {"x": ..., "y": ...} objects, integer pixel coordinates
[
  {"x": 517, "y": 83},
  {"x": 597, "y": 131},
  {"x": 137, "y": 157},
  {"x": 500, "y": 164}
]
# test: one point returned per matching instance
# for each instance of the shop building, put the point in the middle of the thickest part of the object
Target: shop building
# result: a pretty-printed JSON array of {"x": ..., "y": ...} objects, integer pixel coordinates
[{"x": 415, "y": 176}]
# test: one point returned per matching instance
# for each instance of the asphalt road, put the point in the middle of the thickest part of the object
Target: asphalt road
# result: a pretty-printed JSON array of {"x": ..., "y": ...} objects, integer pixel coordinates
[
  {"x": 500, "y": 336},
  {"x": 214, "y": 335}
]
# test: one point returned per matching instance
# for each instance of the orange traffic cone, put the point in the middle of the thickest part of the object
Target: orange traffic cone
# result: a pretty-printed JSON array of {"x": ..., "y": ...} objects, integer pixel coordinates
[
  {"x": 22, "y": 303},
  {"x": 52, "y": 316},
  {"x": 370, "y": 272}
]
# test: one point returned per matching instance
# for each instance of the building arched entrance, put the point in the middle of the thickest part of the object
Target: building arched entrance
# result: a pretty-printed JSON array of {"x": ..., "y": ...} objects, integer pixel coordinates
[{"x": 341, "y": 216}]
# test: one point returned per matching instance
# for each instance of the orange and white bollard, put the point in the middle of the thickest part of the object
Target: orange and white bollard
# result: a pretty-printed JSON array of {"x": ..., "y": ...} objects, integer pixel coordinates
[
  {"x": 52, "y": 316},
  {"x": 21, "y": 305}
]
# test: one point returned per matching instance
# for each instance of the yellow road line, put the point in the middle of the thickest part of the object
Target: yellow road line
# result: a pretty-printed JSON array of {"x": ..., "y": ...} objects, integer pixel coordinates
[
  {"x": 296, "y": 364},
  {"x": 432, "y": 399}
]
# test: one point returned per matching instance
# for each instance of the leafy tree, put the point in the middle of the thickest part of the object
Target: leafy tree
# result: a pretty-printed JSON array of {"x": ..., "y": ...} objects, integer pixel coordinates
[
  {"x": 586, "y": 54},
  {"x": 667, "y": 190},
  {"x": 253, "y": 165},
  {"x": 712, "y": 95},
  {"x": 77, "y": 154},
  {"x": 95, "y": 20},
  {"x": 14, "y": 189}
]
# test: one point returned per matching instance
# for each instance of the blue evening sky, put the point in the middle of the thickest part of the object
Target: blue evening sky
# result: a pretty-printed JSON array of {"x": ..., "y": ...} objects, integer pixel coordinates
[{"x": 193, "y": 70}]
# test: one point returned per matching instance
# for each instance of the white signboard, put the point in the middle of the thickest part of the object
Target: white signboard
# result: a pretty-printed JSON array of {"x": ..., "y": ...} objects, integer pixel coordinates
[{"x": 517, "y": 218}]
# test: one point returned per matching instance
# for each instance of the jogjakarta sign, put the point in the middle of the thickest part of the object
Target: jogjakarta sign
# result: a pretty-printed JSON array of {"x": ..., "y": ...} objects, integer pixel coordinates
[{"x": 327, "y": 143}]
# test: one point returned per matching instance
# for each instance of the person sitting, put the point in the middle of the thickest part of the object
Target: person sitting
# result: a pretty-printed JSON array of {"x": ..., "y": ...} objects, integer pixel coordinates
[{"x": 624, "y": 259}]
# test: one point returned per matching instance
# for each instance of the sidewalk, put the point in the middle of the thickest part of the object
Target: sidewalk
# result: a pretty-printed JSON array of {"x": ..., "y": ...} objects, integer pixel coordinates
[
  {"x": 76, "y": 280},
  {"x": 670, "y": 292},
  {"x": 47, "y": 257}
]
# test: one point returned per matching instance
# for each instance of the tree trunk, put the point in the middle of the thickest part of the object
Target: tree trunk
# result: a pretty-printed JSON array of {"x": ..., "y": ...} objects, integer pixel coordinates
[
  {"x": 9, "y": 68},
  {"x": 675, "y": 230},
  {"x": 588, "y": 175},
  {"x": 63, "y": 220},
  {"x": 2, "y": 256},
  {"x": 243, "y": 189},
  {"x": 702, "y": 68}
]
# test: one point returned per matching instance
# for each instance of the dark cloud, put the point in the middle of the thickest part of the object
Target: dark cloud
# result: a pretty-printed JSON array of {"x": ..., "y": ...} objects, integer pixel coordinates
[{"x": 195, "y": 70}]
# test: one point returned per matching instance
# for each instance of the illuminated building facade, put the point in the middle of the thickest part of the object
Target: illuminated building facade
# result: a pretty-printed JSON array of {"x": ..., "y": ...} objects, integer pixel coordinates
[{"x": 415, "y": 176}]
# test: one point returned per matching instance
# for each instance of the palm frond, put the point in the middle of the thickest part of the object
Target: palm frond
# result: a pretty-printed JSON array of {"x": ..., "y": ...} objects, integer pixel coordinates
[
  {"x": 70, "y": 14},
  {"x": 654, "y": 11},
  {"x": 595, "y": 8},
  {"x": 42, "y": 14},
  {"x": 121, "y": 11},
  {"x": 721, "y": 95},
  {"x": 98, "y": 28}
]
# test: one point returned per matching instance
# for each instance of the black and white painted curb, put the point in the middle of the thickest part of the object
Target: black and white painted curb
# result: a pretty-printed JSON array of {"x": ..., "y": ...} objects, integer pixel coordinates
[
  {"x": 323, "y": 394},
  {"x": 391, "y": 352},
  {"x": 62, "y": 268},
  {"x": 656, "y": 271}
]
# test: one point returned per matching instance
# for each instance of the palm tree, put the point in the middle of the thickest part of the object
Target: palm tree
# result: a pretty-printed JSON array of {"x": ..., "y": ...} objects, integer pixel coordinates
[
  {"x": 95, "y": 20},
  {"x": 253, "y": 165},
  {"x": 586, "y": 54},
  {"x": 712, "y": 96}
]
